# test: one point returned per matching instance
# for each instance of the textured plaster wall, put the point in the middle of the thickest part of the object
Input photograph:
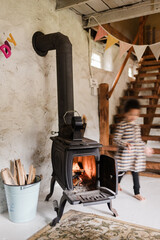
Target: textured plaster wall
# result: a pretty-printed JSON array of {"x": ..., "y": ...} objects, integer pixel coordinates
[{"x": 28, "y": 84}]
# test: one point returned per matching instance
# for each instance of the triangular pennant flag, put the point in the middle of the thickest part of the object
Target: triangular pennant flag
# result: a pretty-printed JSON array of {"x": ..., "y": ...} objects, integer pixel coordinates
[
  {"x": 100, "y": 33},
  {"x": 110, "y": 41},
  {"x": 139, "y": 50},
  {"x": 124, "y": 47},
  {"x": 155, "y": 48}
]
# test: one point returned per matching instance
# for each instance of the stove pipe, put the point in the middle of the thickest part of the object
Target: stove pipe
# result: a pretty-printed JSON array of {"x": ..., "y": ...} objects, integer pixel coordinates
[{"x": 57, "y": 41}]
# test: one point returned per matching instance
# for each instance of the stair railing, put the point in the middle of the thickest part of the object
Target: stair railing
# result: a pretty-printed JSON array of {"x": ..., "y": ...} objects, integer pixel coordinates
[
  {"x": 127, "y": 57},
  {"x": 105, "y": 94}
]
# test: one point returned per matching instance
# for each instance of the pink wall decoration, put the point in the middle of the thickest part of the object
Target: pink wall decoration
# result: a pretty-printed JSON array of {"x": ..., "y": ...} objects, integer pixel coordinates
[
  {"x": 6, "y": 48},
  {"x": 3, "y": 48}
]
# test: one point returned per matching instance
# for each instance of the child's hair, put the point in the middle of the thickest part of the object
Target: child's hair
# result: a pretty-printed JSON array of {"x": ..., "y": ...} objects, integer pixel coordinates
[{"x": 131, "y": 104}]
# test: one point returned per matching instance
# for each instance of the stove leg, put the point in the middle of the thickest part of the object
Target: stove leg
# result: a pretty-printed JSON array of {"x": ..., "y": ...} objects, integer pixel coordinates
[
  {"x": 51, "y": 188},
  {"x": 115, "y": 214},
  {"x": 60, "y": 211}
]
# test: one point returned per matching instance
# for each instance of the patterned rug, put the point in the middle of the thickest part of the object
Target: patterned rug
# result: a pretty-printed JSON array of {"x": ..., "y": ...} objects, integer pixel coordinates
[{"x": 85, "y": 226}]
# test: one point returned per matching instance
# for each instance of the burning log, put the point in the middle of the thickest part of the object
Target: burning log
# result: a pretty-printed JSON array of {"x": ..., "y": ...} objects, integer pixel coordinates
[{"x": 77, "y": 182}]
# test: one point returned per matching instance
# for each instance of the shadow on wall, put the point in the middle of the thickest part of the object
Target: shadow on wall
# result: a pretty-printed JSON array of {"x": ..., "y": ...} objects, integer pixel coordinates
[{"x": 42, "y": 153}]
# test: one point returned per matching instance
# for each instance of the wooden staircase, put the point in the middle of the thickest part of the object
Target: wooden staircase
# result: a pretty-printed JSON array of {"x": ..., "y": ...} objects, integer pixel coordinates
[{"x": 145, "y": 88}]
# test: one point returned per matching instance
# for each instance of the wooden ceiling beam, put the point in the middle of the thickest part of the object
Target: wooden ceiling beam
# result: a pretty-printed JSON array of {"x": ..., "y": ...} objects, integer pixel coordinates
[
  {"x": 114, "y": 32},
  {"x": 147, "y": 7},
  {"x": 62, "y": 4}
]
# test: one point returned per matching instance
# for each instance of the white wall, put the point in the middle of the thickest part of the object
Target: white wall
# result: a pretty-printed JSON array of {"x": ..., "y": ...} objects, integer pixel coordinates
[{"x": 28, "y": 88}]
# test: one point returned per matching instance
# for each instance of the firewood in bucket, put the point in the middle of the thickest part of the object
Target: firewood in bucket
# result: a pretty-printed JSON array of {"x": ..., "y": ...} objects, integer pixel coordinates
[
  {"x": 13, "y": 170},
  {"x": 20, "y": 172},
  {"x": 32, "y": 174},
  {"x": 25, "y": 176},
  {"x": 16, "y": 175},
  {"x": 8, "y": 177}
]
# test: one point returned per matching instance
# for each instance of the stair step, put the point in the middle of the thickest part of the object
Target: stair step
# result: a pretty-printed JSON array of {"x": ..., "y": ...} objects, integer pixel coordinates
[
  {"x": 151, "y": 138},
  {"x": 144, "y": 138},
  {"x": 150, "y": 63},
  {"x": 153, "y": 165},
  {"x": 145, "y": 81},
  {"x": 112, "y": 148},
  {"x": 150, "y": 125},
  {"x": 121, "y": 115},
  {"x": 149, "y": 68},
  {"x": 120, "y": 109},
  {"x": 149, "y": 174},
  {"x": 156, "y": 150},
  {"x": 140, "y": 97},
  {"x": 151, "y": 56},
  {"x": 113, "y": 126},
  {"x": 150, "y": 106},
  {"x": 142, "y": 89},
  {"x": 140, "y": 75}
]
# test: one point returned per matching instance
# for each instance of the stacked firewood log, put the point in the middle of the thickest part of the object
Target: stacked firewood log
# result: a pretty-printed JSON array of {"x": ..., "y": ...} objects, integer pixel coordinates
[{"x": 16, "y": 175}]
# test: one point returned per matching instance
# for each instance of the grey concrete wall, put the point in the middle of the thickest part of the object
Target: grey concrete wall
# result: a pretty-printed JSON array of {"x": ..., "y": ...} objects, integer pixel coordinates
[{"x": 28, "y": 84}]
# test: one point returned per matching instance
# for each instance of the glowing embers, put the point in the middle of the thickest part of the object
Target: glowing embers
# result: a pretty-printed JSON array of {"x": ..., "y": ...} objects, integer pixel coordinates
[{"x": 84, "y": 172}]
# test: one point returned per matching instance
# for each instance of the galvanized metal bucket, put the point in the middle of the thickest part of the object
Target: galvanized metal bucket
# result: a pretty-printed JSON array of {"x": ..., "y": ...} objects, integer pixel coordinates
[
  {"x": 22, "y": 201},
  {"x": 3, "y": 202}
]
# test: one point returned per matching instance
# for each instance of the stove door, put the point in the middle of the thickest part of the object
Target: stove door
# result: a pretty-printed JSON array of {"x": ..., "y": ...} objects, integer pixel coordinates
[{"x": 108, "y": 173}]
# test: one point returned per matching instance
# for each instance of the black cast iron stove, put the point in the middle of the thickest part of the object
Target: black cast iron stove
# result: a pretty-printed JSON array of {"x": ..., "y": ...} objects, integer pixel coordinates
[{"x": 84, "y": 175}]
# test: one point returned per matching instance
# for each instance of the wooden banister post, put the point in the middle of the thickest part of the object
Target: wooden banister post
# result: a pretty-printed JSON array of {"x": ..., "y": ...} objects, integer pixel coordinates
[
  {"x": 103, "y": 108},
  {"x": 141, "y": 33}
]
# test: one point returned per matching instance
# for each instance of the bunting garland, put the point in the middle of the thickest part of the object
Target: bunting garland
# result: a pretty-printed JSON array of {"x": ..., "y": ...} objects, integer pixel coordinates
[
  {"x": 139, "y": 51},
  {"x": 155, "y": 48},
  {"x": 100, "y": 33},
  {"x": 124, "y": 47},
  {"x": 110, "y": 41}
]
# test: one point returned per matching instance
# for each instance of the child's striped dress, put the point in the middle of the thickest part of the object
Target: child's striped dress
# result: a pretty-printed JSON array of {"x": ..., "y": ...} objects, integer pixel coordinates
[{"x": 133, "y": 160}]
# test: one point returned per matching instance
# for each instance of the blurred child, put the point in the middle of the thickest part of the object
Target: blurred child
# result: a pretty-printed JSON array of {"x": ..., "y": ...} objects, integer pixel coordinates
[{"x": 131, "y": 149}]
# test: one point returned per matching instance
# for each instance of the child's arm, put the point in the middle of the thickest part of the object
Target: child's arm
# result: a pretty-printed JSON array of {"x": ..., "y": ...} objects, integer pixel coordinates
[
  {"x": 148, "y": 151},
  {"x": 118, "y": 137}
]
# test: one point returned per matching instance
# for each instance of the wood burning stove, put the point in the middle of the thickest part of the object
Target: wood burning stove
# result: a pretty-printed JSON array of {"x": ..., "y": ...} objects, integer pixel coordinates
[
  {"x": 99, "y": 184},
  {"x": 84, "y": 175}
]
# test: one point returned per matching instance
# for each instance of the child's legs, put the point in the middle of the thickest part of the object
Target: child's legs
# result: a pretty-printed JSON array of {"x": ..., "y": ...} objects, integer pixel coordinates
[
  {"x": 120, "y": 176},
  {"x": 136, "y": 185}
]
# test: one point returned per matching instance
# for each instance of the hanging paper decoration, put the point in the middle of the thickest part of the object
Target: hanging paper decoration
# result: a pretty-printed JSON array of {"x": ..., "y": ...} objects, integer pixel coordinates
[
  {"x": 7, "y": 43},
  {"x": 11, "y": 39},
  {"x": 110, "y": 41},
  {"x": 100, "y": 33},
  {"x": 155, "y": 48},
  {"x": 6, "y": 48},
  {"x": 124, "y": 47},
  {"x": 139, "y": 50}
]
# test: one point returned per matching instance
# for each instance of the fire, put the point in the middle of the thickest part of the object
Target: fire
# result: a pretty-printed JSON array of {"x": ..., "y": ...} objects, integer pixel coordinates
[
  {"x": 90, "y": 166},
  {"x": 75, "y": 167},
  {"x": 83, "y": 170}
]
